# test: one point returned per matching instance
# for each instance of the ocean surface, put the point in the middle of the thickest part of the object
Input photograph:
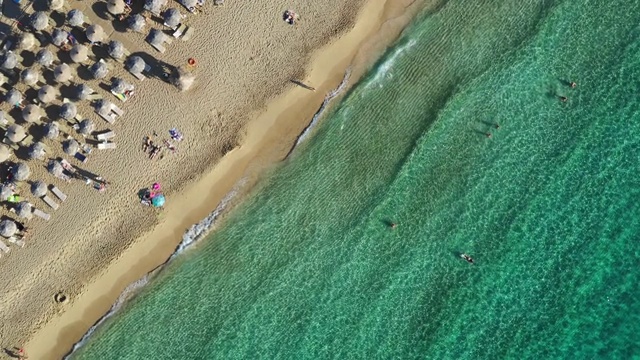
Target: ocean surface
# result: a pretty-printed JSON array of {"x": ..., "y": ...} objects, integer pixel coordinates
[{"x": 548, "y": 206}]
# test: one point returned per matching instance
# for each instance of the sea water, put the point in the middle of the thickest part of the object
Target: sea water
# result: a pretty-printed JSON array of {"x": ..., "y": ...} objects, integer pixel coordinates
[{"x": 310, "y": 268}]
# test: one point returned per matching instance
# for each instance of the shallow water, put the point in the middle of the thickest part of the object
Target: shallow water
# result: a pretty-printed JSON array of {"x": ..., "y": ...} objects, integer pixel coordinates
[{"x": 308, "y": 267}]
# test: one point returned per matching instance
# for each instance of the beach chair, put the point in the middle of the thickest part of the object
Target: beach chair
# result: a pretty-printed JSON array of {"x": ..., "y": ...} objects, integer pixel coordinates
[
  {"x": 41, "y": 214},
  {"x": 58, "y": 193},
  {"x": 110, "y": 118},
  {"x": 49, "y": 201},
  {"x": 187, "y": 34},
  {"x": 105, "y": 136},
  {"x": 80, "y": 157},
  {"x": 159, "y": 47},
  {"x": 117, "y": 110},
  {"x": 17, "y": 241},
  {"x": 179, "y": 31},
  {"x": 11, "y": 144},
  {"x": 4, "y": 247},
  {"x": 93, "y": 97},
  {"x": 121, "y": 97},
  {"x": 106, "y": 145}
]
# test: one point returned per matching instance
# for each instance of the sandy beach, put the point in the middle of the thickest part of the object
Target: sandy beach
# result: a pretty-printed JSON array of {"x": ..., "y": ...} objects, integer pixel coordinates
[{"x": 242, "y": 115}]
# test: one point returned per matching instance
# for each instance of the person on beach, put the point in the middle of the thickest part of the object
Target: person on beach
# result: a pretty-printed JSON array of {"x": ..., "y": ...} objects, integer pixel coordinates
[{"x": 20, "y": 353}]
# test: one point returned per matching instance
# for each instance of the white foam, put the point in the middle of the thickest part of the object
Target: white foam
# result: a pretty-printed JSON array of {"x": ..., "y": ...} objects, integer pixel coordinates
[{"x": 384, "y": 69}]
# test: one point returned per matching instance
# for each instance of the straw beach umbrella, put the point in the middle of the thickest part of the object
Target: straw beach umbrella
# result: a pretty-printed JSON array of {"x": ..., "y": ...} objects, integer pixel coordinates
[
  {"x": 86, "y": 127},
  {"x": 39, "y": 188},
  {"x": 99, "y": 70},
  {"x": 31, "y": 113},
  {"x": 47, "y": 94},
  {"x": 68, "y": 111},
  {"x": 44, "y": 57},
  {"x": 21, "y": 172},
  {"x": 172, "y": 17},
  {"x": 37, "y": 151},
  {"x": 103, "y": 107},
  {"x": 9, "y": 60},
  {"x": 62, "y": 73},
  {"x": 189, "y": 4},
  {"x": 119, "y": 86},
  {"x": 75, "y": 18},
  {"x": 135, "y": 64},
  {"x": 95, "y": 33},
  {"x": 115, "y": 7},
  {"x": 39, "y": 20},
  {"x": 83, "y": 91},
  {"x": 24, "y": 210},
  {"x": 70, "y": 147},
  {"x": 79, "y": 53},
  {"x": 182, "y": 79},
  {"x": 156, "y": 37},
  {"x": 116, "y": 49},
  {"x": 55, "y": 4},
  {"x": 16, "y": 133},
  {"x": 59, "y": 37},
  {"x": 5, "y": 192},
  {"x": 26, "y": 41},
  {"x": 155, "y": 6},
  {"x": 8, "y": 228},
  {"x": 13, "y": 97},
  {"x": 30, "y": 76},
  {"x": 5, "y": 153},
  {"x": 137, "y": 22},
  {"x": 51, "y": 130},
  {"x": 55, "y": 168}
]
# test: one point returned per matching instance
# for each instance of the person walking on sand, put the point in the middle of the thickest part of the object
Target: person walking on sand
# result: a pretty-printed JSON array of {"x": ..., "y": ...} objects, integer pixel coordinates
[{"x": 20, "y": 353}]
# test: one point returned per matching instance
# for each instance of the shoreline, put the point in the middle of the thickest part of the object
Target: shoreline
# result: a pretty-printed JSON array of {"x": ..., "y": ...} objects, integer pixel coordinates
[{"x": 378, "y": 24}]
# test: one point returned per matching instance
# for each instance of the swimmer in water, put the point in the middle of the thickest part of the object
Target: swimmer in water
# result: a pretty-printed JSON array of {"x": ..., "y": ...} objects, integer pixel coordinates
[
  {"x": 392, "y": 225},
  {"x": 563, "y": 98},
  {"x": 573, "y": 85},
  {"x": 467, "y": 258}
]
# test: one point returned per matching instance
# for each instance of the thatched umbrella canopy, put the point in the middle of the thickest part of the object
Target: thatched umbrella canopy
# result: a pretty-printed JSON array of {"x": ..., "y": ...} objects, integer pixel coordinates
[
  {"x": 37, "y": 151},
  {"x": 182, "y": 79},
  {"x": 8, "y": 228},
  {"x": 47, "y": 94},
  {"x": 83, "y": 91},
  {"x": 24, "y": 209},
  {"x": 55, "y": 4},
  {"x": 172, "y": 17},
  {"x": 95, "y": 33},
  {"x": 44, "y": 57},
  {"x": 13, "y": 97},
  {"x": 75, "y": 17},
  {"x": 119, "y": 86},
  {"x": 59, "y": 37},
  {"x": 68, "y": 111},
  {"x": 55, "y": 168},
  {"x": 30, "y": 76},
  {"x": 32, "y": 113},
  {"x": 116, "y": 7},
  {"x": 70, "y": 147},
  {"x": 99, "y": 70},
  {"x": 86, "y": 127},
  {"x": 52, "y": 131},
  {"x": 135, "y": 64},
  {"x": 62, "y": 73},
  {"x": 155, "y": 6},
  {"x": 39, "y": 20},
  {"x": 156, "y": 37},
  {"x": 5, "y": 192},
  {"x": 9, "y": 60},
  {"x": 5, "y": 153},
  {"x": 116, "y": 49},
  {"x": 104, "y": 107},
  {"x": 39, "y": 188},
  {"x": 21, "y": 172},
  {"x": 137, "y": 22},
  {"x": 79, "y": 53},
  {"x": 16, "y": 133},
  {"x": 26, "y": 41},
  {"x": 189, "y": 4}
]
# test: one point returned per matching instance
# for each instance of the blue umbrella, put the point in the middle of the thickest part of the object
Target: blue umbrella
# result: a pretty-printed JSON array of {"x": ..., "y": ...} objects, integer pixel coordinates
[{"x": 158, "y": 200}]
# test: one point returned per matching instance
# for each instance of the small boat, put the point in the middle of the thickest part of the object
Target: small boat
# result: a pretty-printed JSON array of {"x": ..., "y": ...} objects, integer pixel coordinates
[{"x": 467, "y": 258}]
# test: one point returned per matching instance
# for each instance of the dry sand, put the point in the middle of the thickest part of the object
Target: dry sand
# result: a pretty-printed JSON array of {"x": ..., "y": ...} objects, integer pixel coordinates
[{"x": 98, "y": 243}]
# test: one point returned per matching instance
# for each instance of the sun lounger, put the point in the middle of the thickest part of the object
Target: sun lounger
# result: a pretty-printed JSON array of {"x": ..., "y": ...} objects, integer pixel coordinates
[
  {"x": 11, "y": 144},
  {"x": 159, "y": 47},
  {"x": 17, "y": 241},
  {"x": 49, "y": 201},
  {"x": 80, "y": 157},
  {"x": 27, "y": 141},
  {"x": 138, "y": 76},
  {"x": 58, "y": 193},
  {"x": 106, "y": 145},
  {"x": 41, "y": 214},
  {"x": 94, "y": 97},
  {"x": 187, "y": 34},
  {"x": 4, "y": 247},
  {"x": 117, "y": 110},
  {"x": 110, "y": 118},
  {"x": 179, "y": 31},
  {"x": 105, "y": 136},
  {"x": 121, "y": 97}
]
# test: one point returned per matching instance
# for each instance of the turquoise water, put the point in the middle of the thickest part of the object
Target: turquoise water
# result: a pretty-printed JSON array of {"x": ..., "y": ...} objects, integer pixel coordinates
[{"x": 308, "y": 267}]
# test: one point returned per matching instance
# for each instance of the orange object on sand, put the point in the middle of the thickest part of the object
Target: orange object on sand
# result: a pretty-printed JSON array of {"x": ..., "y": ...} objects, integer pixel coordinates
[{"x": 191, "y": 62}]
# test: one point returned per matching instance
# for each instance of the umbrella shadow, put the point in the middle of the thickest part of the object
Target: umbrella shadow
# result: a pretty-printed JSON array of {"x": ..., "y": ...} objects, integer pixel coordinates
[
  {"x": 64, "y": 56},
  {"x": 52, "y": 111},
  {"x": 120, "y": 25},
  {"x": 100, "y": 8},
  {"x": 40, "y": 5},
  {"x": 68, "y": 91},
  {"x": 58, "y": 17},
  {"x": 16, "y": 113},
  {"x": 84, "y": 72},
  {"x": 28, "y": 58},
  {"x": 159, "y": 69}
]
